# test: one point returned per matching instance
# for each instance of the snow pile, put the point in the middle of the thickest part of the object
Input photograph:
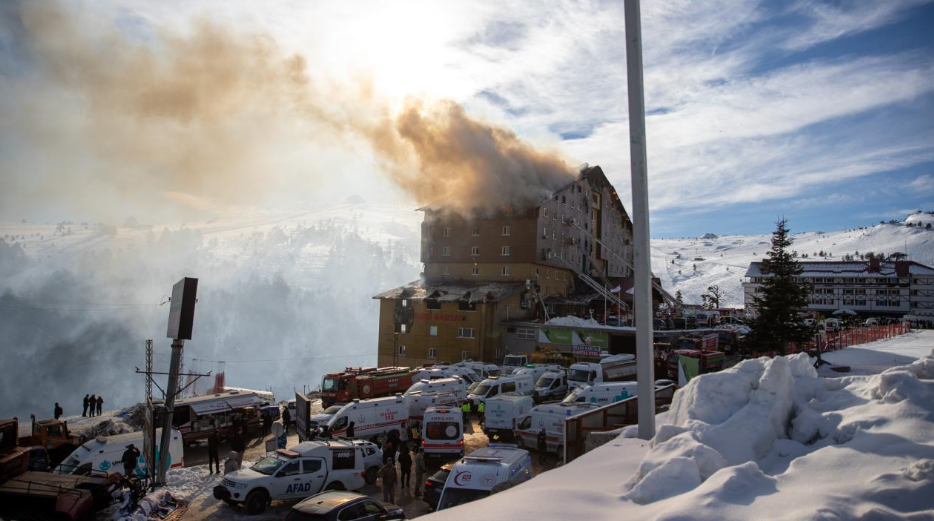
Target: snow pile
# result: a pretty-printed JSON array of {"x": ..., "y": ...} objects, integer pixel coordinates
[
  {"x": 572, "y": 321},
  {"x": 766, "y": 439}
]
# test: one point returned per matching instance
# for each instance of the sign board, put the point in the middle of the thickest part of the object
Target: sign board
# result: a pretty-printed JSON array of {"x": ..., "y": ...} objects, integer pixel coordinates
[
  {"x": 302, "y": 417},
  {"x": 710, "y": 342},
  {"x": 182, "y": 309},
  {"x": 585, "y": 351}
]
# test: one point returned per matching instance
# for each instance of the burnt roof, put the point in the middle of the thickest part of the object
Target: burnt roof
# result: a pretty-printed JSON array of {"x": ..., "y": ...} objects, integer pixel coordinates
[{"x": 453, "y": 291}]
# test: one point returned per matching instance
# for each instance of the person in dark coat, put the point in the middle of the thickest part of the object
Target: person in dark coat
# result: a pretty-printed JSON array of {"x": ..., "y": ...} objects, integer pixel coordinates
[
  {"x": 405, "y": 466},
  {"x": 92, "y": 404},
  {"x": 100, "y": 404},
  {"x": 58, "y": 411},
  {"x": 389, "y": 450},
  {"x": 237, "y": 442},
  {"x": 213, "y": 456},
  {"x": 350, "y": 430},
  {"x": 84, "y": 411},
  {"x": 267, "y": 424},
  {"x": 286, "y": 419},
  {"x": 130, "y": 455},
  {"x": 542, "y": 446}
]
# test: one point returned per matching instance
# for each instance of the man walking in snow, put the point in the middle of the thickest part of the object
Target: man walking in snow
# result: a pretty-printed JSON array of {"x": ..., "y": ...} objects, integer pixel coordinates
[
  {"x": 84, "y": 411},
  {"x": 92, "y": 404},
  {"x": 213, "y": 457},
  {"x": 58, "y": 411},
  {"x": 100, "y": 404}
]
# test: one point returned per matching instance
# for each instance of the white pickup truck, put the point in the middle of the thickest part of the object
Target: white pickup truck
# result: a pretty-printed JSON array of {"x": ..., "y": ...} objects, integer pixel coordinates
[{"x": 303, "y": 470}]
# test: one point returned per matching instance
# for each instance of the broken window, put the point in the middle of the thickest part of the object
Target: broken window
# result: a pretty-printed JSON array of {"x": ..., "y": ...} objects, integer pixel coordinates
[
  {"x": 402, "y": 350},
  {"x": 465, "y": 304},
  {"x": 433, "y": 303},
  {"x": 475, "y": 232}
]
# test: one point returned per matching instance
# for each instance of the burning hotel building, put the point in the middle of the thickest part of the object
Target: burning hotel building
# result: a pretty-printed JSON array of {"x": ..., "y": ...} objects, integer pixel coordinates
[{"x": 494, "y": 267}]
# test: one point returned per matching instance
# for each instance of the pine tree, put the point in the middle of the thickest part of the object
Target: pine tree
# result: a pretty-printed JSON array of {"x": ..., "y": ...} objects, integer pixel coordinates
[{"x": 781, "y": 298}]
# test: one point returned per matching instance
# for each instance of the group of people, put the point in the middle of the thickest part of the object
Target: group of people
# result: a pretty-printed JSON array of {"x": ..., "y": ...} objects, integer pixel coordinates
[
  {"x": 91, "y": 404},
  {"x": 466, "y": 409},
  {"x": 406, "y": 460}
]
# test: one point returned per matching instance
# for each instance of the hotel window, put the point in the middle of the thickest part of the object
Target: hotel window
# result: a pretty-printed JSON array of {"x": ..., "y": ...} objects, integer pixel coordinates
[
  {"x": 405, "y": 303},
  {"x": 545, "y": 211},
  {"x": 445, "y": 250},
  {"x": 475, "y": 270},
  {"x": 432, "y": 352},
  {"x": 446, "y": 232},
  {"x": 475, "y": 250},
  {"x": 465, "y": 332},
  {"x": 475, "y": 232},
  {"x": 433, "y": 330},
  {"x": 433, "y": 303},
  {"x": 402, "y": 350},
  {"x": 445, "y": 270},
  {"x": 505, "y": 250},
  {"x": 506, "y": 230},
  {"x": 505, "y": 271}
]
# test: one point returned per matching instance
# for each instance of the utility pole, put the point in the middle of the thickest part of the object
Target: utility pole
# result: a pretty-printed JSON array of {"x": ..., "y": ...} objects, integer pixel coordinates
[
  {"x": 642, "y": 283},
  {"x": 148, "y": 369}
]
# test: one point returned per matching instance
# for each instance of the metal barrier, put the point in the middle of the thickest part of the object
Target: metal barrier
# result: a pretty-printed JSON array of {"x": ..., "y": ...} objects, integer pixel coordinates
[{"x": 606, "y": 418}]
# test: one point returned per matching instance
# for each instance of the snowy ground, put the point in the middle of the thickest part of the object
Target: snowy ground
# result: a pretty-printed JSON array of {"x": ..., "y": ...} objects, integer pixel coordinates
[
  {"x": 766, "y": 439},
  {"x": 875, "y": 357}
]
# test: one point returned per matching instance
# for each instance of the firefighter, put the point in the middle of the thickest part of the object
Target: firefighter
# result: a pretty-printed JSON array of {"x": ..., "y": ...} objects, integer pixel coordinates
[{"x": 130, "y": 455}]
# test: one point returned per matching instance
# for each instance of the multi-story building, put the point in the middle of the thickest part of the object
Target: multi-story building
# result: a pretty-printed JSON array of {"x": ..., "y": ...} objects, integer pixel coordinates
[
  {"x": 485, "y": 269},
  {"x": 870, "y": 288}
]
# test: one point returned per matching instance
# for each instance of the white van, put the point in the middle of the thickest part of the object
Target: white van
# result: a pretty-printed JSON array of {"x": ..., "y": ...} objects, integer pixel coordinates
[
  {"x": 372, "y": 417},
  {"x": 536, "y": 370},
  {"x": 461, "y": 371},
  {"x": 106, "y": 453},
  {"x": 441, "y": 385},
  {"x": 418, "y": 403},
  {"x": 552, "y": 385},
  {"x": 495, "y": 385},
  {"x": 502, "y": 413},
  {"x": 603, "y": 393},
  {"x": 832, "y": 324},
  {"x": 303, "y": 470},
  {"x": 483, "y": 369},
  {"x": 550, "y": 417},
  {"x": 443, "y": 433},
  {"x": 513, "y": 362},
  {"x": 475, "y": 476}
]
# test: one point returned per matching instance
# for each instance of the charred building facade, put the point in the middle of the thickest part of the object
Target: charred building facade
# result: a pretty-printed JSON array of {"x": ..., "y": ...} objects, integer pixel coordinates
[{"x": 481, "y": 271}]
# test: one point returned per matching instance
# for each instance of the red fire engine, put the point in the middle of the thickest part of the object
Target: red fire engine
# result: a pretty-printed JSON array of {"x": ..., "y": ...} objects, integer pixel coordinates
[{"x": 364, "y": 382}]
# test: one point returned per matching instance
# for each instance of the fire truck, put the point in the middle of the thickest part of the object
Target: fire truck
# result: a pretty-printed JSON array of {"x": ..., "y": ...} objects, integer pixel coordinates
[
  {"x": 364, "y": 382},
  {"x": 699, "y": 350}
]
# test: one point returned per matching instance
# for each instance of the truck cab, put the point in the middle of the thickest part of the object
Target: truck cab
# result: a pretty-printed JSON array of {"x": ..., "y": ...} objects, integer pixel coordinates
[
  {"x": 513, "y": 362},
  {"x": 54, "y": 437},
  {"x": 584, "y": 373},
  {"x": 303, "y": 470}
]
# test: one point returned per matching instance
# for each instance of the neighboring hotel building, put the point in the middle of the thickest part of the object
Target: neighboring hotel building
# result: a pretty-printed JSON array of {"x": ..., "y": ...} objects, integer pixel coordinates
[
  {"x": 870, "y": 288},
  {"x": 482, "y": 271}
]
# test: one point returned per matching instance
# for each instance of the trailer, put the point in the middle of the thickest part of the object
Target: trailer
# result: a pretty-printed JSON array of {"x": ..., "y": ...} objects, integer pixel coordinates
[{"x": 199, "y": 416}]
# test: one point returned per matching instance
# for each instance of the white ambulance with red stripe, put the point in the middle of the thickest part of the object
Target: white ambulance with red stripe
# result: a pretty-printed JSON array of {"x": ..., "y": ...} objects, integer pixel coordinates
[
  {"x": 551, "y": 417},
  {"x": 372, "y": 417},
  {"x": 443, "y": 433}
]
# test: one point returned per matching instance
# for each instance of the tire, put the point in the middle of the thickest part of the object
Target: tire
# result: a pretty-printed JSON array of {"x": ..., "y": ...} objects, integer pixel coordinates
[
  {"x": 256, "y": 502},
  {"x": 371, "y": 474},
  {"x": 335, "y": 485}
]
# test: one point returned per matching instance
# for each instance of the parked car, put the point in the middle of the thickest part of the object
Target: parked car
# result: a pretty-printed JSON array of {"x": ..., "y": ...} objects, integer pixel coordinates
[
  {"x": 342, "y": 506},
  {"x": 435, "y": 484}
]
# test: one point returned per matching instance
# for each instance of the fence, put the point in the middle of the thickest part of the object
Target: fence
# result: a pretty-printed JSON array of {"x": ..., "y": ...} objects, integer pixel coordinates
[
  {"x": 607, "y": 418},
  {"x": 833, "y": 341}
]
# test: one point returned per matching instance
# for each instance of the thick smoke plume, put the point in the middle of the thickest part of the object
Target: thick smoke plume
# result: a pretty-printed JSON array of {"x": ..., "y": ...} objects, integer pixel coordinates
[{"x": 210, "y": 120}]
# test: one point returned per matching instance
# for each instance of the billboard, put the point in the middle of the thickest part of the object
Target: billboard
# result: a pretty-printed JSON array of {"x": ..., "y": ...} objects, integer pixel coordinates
[
  {"x": 581, "y": 343},
  {"x": 302, "y": 417},
  {"x": 182, "y": 309}
]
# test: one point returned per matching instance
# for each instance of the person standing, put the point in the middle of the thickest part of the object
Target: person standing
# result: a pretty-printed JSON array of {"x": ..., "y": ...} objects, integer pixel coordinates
[
  {"x": 238, "y": 445},
  {"x": 92, "y": 403},
  {"x": 405, "y": 466},
  {"x": 100, "y": 404},
  {"x": 389, "y": 450},
  {"x": 388, "y": 475},
  {"x": 267, "y": 424},
  {"x": 481, "y": 408},
  {"x": 58, "y": 411},
  {"x": 419, "y": 470},
  {"x": 213, "y": 456},
  {"x": 350, "y": 431},
  {"x": 465, "y": 410},
  {"x": 542, "y": 446},
  {"x": 130, "y": 455},
  {"x": 286, "y": 419},
  {"x": 84, "y": 410}
]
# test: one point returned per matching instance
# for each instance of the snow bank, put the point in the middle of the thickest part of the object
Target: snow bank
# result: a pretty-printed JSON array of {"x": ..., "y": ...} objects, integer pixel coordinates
[
  {"x": 572, "y": 321},
  {"x": 766, "y": 439}
]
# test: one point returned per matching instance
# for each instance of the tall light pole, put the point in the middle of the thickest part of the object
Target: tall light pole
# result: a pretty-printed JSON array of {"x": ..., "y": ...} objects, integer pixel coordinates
[{"x": 642, "y": 284}]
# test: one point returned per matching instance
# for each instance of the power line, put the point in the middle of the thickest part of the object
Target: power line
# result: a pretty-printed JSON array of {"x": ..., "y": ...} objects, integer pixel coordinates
[{"x": 271, "y": 359}]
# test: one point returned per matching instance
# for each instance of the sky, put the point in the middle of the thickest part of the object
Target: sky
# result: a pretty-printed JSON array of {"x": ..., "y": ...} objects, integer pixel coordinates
[{"x": 821, "y": 112}]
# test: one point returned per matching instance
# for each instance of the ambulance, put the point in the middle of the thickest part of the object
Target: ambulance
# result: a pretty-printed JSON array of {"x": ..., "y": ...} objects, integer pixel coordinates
[
  {"x": 417, "y": 403},
  {"x": 372, "y": 417},
  {"x": 106, "y": 453},
  {"x": 495, "y": 385},
  {"x": 502, "y": 413},
  {"x": 443, "y": 433},
  {"x": 552, "y": 385},
  {"x": 602, "y": 394},
  {"x": 299, "y": 472},
  {"x": 441, "y": 385},
  {"x": 551, "y": 417},
  {"x": 484, "y": 472}
]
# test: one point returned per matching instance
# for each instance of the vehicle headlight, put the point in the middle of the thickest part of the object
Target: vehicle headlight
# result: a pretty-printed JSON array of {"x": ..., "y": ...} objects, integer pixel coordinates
[{"x": 233, "y": 484}]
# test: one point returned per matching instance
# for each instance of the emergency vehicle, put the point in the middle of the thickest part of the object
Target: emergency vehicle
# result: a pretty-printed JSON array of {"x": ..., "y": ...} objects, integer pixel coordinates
[
  {"x": 476, "y": 475},
  {"x": 443, "y": 433},
  {"x": 552, "y": 385},
  {"x": 501, "y": 414},
  {"x": 417, "y": 403},
  {"x": 513, "y": 362},
  {"x": 363, "y": 383},
  {"x": 536, "y": 370},
  {"x": 441, "y": 385},
  {"x": 602, "y": 393},
  {"x": 610, "y": 369},
  {"x": 522, "y": 384},
  {"x": 372, "y": 417},
  {"x": 551, "y": 417},
  {"x": 105, "y": 453},
  {"x": 299, "y": 472}
]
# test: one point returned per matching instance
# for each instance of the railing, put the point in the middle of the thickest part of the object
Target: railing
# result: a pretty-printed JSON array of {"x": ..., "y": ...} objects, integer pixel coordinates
[
  {"x": 609, "y": 417},
  {"x": 851, "y": 337}
]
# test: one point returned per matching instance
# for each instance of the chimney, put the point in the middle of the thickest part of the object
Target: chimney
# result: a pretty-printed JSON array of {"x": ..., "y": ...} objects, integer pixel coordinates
[
  {"x": 901, "y": 269},
  {"x": 874, "y": 264}
]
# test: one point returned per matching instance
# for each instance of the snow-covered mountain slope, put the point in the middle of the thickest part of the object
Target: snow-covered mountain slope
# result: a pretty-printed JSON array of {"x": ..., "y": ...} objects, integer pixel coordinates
[{"x": 691, "y": 265}]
